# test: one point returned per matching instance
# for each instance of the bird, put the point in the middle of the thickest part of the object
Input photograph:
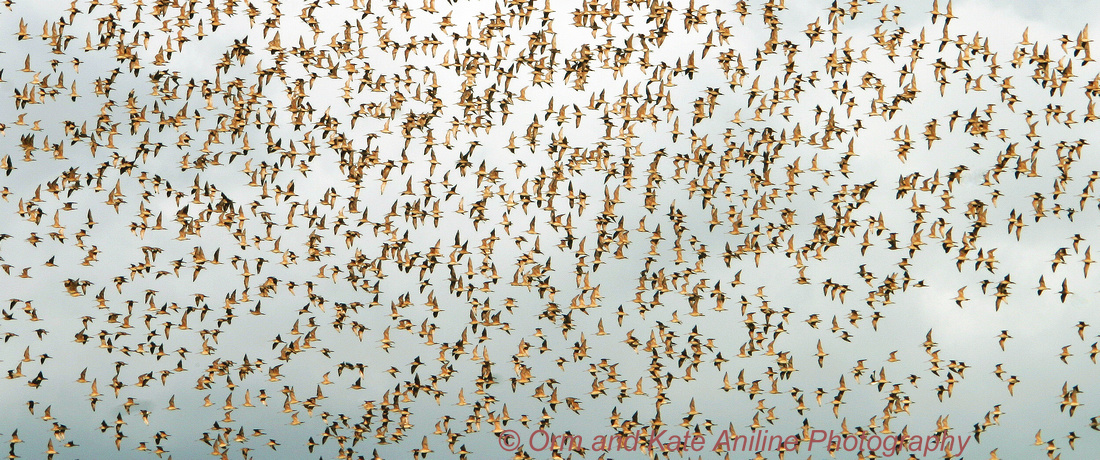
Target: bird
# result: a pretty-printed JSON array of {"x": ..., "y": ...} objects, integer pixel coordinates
[{"x": 1002, "y": 337}]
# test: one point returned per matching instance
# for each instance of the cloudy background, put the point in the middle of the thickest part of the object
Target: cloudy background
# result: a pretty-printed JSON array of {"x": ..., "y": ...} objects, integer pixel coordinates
[{"x": 390, "y": 299}]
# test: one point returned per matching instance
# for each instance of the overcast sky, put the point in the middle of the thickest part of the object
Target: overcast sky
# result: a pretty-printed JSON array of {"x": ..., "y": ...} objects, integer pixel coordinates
[{"x": 489, "y": 178}]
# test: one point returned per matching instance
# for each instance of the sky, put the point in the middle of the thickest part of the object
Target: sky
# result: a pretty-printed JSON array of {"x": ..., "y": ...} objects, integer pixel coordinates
[{"x": 527, "y": 202}]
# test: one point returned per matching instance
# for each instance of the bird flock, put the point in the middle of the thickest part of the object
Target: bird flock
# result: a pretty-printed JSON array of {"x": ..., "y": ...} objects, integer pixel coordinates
[{"x": 248, "y": 229}]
